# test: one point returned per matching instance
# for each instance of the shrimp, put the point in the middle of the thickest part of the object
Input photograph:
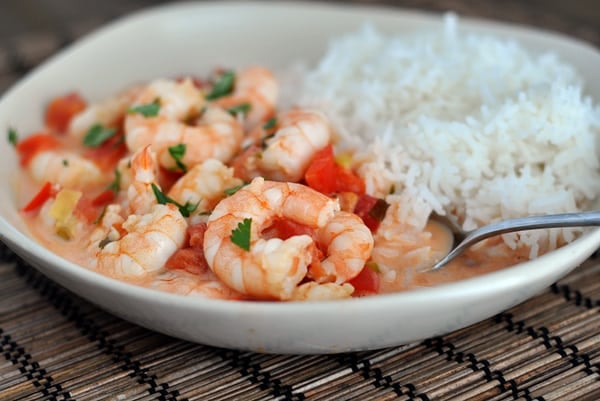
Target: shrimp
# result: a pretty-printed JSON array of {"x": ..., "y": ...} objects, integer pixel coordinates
[
  {"x": 106, "y": 230},
  {"x": 287, "y": 154},
  {"x": 204, "y": 284},
  {"x": 214, "y": 133},
  {"x": 66, "y": 168},
  {"x": 107, "y": 113},
  {"x": 205, "y": 184},
  {"x": 257, "y": 87},
  {"x": 142, "y": 173},
  {"x": 274, "y": 268},
  {"x": 146, "y": 245}
]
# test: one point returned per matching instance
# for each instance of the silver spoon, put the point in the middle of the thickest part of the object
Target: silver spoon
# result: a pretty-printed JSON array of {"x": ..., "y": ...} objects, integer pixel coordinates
[{"x": 466, "y": 239}]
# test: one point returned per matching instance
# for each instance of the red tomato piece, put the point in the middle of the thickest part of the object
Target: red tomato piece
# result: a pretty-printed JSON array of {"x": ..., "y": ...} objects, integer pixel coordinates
[
  {"x": 321, "y": 172},
  {"x": 107, "y": 155},
  {"x": 45, "y": 193},
  {"x": 196, "y": 235},
  {"x": 363, "y": 207},
  {"x": 366, "y": 283},
  {"x": 86, "y": 210},
  {"x": 284, "y": 229},
  {"x": 32, "y": 145},
  {"x": 347, "y": 181},
  {"x": 191, "y": 260},
  {"x": 61, "y": 110},
  {"x": 104, "y": 198}
]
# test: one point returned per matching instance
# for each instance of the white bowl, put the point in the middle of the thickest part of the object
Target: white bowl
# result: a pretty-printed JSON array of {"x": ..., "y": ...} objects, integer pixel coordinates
[{"x": 193, "y": 38}]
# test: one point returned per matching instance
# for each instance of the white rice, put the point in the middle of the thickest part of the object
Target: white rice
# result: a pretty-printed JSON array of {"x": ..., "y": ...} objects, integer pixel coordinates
[{"x": 466, "y": 123}]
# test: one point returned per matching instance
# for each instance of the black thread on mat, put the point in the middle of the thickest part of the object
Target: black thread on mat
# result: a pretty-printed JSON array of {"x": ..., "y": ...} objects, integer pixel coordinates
[
  {"x": 254, "y": 373},
  {"x": 378, "y": 379},
  {"x": 554, "y": 343},
  {"x": 61, "y": 301},
  {"x": 31, "y": 369},
  {"x": 447, "y": 349},
  {"x": 574, "y": 295}
]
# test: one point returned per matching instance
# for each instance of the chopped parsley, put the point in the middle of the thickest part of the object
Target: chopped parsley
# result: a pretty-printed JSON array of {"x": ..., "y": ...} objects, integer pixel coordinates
[
  {"x": 270, "y": 124},
  {"x": 232, "y": 190},
  {"x": 97, "y": 135},
  {"x": 373, "y": 266},
  {"x": 115, "y": 185},
  {"x": 12, "y": 136},
  {"x": 177, "y": 152},
  {"x": 263, "y": 141},
  {"x": 65, "y": 163},
  {"x": 239, "y": 109},
  {"x": 223, "y": 86},
  {"x": 104, "y": 242},
  {"x": 241, "y": 235},
  {"x": 163, "y": 199},
  {"x": 147, "y": 110},
  {"x": 100, "y": 216}
]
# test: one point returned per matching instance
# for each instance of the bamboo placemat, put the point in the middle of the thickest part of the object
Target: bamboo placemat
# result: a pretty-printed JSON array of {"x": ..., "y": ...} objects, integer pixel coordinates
[{"x": 57, "y": 346}]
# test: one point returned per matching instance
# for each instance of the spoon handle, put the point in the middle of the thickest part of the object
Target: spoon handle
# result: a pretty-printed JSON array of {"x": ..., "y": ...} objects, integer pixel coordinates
[{"x": 580, "y": 219}]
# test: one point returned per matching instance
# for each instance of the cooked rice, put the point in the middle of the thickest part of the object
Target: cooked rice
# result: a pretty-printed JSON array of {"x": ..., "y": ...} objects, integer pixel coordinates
[{"x": 463, "y": 123}]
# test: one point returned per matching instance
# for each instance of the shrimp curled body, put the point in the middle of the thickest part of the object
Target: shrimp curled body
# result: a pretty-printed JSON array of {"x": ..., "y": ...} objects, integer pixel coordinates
[
  {"x": 149, "y": 241},
  {"x": 274, "y": 268}
]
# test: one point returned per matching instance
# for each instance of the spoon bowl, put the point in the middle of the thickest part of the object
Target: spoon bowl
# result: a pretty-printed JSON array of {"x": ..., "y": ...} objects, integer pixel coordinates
[{"x": 465, "y": 239}]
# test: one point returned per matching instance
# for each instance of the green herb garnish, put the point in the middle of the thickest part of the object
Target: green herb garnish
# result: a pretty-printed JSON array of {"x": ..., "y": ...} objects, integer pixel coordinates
[
  {"x": 115, "y": 185},
  {"x": 239, "y": 109},
  {"x": 97, "y": 135},
  {"x": 65, "y": 163},
  {"x": 223, "y": 86},
  {"x": 270, "y": 124},
  {"x": 147, "y": 110},
  {"x": 104, "y": 242},
  {"x": 163, "y": 199},
  {"x": 13, "y": 137},
  {"x": 378, "y": 210},
  {"x": 232, "y": 190},
  {"x": 373, "y": 266},
  {"x": 100, "y": 216},
  {"x": 241, "y": 235},
  {"x": 263, "y": 141},
  {"x": 177, "y": 152}
]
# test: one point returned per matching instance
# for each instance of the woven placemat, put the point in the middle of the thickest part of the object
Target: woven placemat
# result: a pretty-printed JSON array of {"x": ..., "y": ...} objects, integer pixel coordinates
[{"x": 57, "y": 346}]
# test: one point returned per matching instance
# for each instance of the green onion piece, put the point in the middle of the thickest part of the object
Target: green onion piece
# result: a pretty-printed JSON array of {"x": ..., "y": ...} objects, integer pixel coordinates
[
  {"x": 379, "y": 209},
  {"x": 271, "y": 123},
  {"x": 241, "y": 235},
  {"x": 163, "y": 199},
  {"x": 223, "y": 86},
  {"x": 239, "y": 109},
  {"x": 147, "y": 110},
  {"x": 177, "y": 152},
  {"x": 13, "y": 137},
  {"x": 97, "y": 135}
]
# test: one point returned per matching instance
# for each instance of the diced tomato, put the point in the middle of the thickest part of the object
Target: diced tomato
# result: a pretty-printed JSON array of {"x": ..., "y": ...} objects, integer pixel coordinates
[
  {"x": 107, "y": 155},
  {"x": 167, "y": 178},
  {"x": 32, "y": 145},
  {"x": 86, "y": 210},
  {"x": 61, "y": 110},
  {"x": 366, "y": 283},
  {"x": 285, "y": 228},
  {"x": 45, "y": 193},
  {"x": 104, "y": 198},
  {"x": 321, "y": 172},
  {"x": 191, "y": 260},
  {"x": 363, "y": 207},
  {"x": 347, "y": 181},
  {"x": 196, "y": 235}
]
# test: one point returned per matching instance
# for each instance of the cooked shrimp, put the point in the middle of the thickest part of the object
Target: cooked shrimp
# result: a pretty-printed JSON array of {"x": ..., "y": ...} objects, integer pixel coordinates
[
  {"x": 257, "y": 87},
  {"x": 106, "y": 229},
  {"x": 349, "y": 244},
  {"x": 107, "y": 113},
  {"x": 67, "y": 169},
  {"x": 299, "y": 135},
  {"x": 213, "y": 132},
  {"x": 273, "y": 268},
  {"x": 205, "y": 285},
  {"x": 148, "y": 242},
  {"x": 313, "y": 291},
  {"x": 205, "y": 184},
  {"x": 142, "y": 173}
]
